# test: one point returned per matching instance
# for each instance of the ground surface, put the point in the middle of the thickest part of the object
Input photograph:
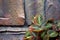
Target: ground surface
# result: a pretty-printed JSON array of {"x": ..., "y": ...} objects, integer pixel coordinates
[{"x": 11, "y": 37}]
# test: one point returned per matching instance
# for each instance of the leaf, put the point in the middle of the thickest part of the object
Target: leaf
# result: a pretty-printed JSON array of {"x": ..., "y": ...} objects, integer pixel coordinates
[
  {"x": 43, "y": 34},
  {"x": 35, "y": 35},
  {"x": 37, "y": 28},
  {"x": 39, "y": 20},
  {"x": 46, "y": 37},
  {"x": 58, "y": 24},
  {"x": 27, "y": 34},
  {"x": 48, "y": 26},
  {"x": 52, "y": 33},
  {"x": 29, "y": 37}
]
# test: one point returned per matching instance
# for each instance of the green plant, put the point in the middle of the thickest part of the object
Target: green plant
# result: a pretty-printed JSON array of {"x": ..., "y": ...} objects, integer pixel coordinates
[{"x": 46, "y": 30}]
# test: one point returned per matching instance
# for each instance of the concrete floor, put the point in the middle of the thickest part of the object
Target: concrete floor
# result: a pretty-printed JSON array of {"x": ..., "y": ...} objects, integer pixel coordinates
[{"x": 11, "y": 37}]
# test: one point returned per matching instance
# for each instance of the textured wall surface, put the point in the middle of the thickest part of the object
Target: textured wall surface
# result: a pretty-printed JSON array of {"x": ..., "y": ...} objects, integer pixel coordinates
[
  {"x": 12, "y": 9},
  {"x": 33, "y": 7},
  {"x": 53, "y": 9}
]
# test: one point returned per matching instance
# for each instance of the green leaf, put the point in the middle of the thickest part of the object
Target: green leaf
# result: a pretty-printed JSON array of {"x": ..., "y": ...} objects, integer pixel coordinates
[
  {"x": 37, "y": 28},
  {"x": 27, "y": 34},
  {"x": 48, "y": 26},
  {"x": 43, "y": 34},
  {"x": 29, "y": 37},
  {"x": 52, "y": 33},
  {"x": 58, "y": 24},
  {"x": 34, "y": 34},
  {"x": 46, "y": 37},
  {"x": 39, "y": 19}
]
